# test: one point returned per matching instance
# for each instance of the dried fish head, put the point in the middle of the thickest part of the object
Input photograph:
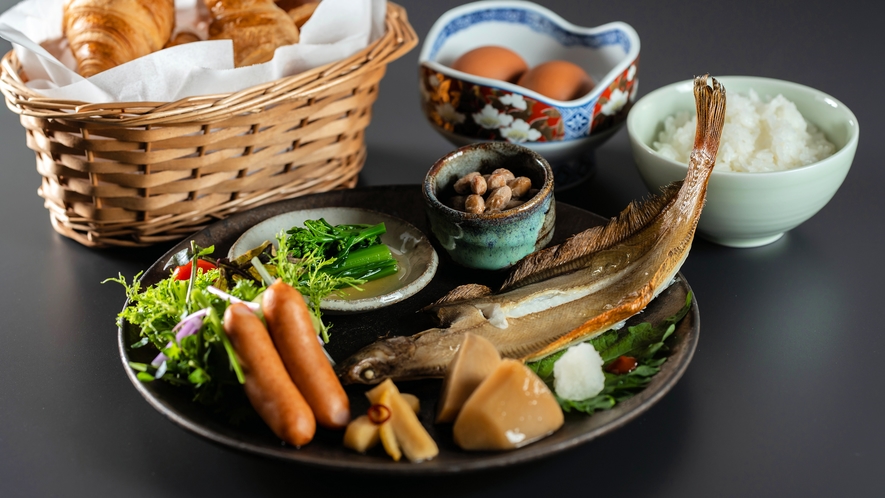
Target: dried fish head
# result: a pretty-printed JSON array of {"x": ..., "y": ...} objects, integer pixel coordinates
[{"x": 374, "y": 364}]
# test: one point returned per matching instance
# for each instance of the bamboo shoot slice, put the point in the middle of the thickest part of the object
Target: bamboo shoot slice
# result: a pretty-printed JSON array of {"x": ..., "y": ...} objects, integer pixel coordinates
[
  {"x": 475, "y": 359},
  {"x": 413, "y": 439},
  {"x": 386, "y": 432},
  {"x": 361, "y": 434},
  {"x": 510, "y": 409},
  {"x": 413, "y": 401}
]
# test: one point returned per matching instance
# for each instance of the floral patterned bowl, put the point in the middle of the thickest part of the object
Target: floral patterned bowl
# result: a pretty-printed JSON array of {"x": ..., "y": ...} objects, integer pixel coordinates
[{"x": 466, "y": 108}]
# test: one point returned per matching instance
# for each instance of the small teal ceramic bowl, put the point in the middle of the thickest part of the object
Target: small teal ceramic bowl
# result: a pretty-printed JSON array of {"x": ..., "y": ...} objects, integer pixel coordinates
[{"x": 490, "y": 241}]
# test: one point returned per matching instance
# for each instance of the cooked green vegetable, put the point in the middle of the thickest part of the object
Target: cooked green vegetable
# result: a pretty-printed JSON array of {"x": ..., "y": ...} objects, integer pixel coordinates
[
  {"x": 644, "y": 342},
  {"x": 331, "y": 240},
  {"x": 354, "y": 250}
]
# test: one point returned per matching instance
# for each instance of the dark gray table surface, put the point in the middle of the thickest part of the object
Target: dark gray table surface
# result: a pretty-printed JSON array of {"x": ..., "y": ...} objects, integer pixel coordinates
[{"x": 785, "y": 395}]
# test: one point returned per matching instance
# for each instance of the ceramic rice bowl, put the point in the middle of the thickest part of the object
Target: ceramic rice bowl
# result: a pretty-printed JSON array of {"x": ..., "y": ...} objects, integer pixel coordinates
[{"x": 750, "y": 209}]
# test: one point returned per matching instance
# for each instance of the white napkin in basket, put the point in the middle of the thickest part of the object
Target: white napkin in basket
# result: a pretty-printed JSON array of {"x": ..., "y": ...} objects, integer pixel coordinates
[{"x": 336, "y": 30}]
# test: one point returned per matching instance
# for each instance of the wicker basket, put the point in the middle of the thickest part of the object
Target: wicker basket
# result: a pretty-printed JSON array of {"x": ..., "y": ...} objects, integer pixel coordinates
[{"x": 139, "y": 173}]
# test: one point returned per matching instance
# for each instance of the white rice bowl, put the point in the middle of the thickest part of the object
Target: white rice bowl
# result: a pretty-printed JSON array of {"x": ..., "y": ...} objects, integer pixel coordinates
[
  {"x": 578, "y": 373},
  {"x": 758, "y": 136}
]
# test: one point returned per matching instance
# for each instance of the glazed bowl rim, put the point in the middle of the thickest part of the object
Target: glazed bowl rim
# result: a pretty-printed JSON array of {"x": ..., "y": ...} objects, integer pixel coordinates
[
  {"x": 838, "y": 107},
  {"x": 600, "y": 86},
  {"x": 545, "y": 191}
]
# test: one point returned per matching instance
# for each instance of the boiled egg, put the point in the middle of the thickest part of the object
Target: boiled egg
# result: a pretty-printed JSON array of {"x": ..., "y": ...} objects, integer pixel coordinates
[
  {"x": 493, "y": 62},
  {"x": 560, "y": 80}
]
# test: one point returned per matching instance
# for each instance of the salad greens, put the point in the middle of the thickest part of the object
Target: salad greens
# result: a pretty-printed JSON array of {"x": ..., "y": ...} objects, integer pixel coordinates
[
  {"x": 644, "y": 342},
  {"x": 182, "y": 318},
  {"x": 200, "y": 357}
]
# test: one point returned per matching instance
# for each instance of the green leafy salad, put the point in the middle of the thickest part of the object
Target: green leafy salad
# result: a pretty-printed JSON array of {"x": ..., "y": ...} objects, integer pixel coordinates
[
  {"x": 181, "y": 314},
  {"x": 631, "y": 356}
]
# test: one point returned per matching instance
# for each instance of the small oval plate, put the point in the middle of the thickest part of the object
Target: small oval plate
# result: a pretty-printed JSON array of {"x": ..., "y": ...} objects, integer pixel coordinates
[{"x": 414, "y": 253}]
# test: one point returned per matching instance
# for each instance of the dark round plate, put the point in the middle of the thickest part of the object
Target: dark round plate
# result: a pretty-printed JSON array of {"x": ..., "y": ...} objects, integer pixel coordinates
[{"x": 351, "y": 332}]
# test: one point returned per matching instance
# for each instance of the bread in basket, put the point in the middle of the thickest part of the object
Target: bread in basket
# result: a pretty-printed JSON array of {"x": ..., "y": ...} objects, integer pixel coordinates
[{"x": 136, "y": 174}]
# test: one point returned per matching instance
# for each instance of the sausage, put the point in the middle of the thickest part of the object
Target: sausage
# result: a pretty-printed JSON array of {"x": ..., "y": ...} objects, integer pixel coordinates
[
  {"x": 292, "y": 331},
  {"x": 268, "y": 386}
]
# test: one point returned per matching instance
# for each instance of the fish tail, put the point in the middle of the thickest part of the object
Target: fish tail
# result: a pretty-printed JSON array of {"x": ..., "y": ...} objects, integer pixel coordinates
[{"x": 710, "y": 104}]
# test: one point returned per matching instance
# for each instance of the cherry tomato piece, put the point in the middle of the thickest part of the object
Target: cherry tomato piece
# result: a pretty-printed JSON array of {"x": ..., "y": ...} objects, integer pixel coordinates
[
  {"x": 183, "y": 272},
  {"x": 622, "y": 365}
]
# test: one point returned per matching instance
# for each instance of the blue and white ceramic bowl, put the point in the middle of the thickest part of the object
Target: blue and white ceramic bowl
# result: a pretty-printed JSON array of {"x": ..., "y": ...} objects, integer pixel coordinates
[{"x": 467, "y": 108}]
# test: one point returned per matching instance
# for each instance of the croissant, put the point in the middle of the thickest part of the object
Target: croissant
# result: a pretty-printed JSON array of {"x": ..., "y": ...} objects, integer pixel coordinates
[
  {"x": 106, "y": 33},
  {"x": 182, "y": 38},
  {"x": 257, "y": 28},
  {"x": 302, "y": 13}
]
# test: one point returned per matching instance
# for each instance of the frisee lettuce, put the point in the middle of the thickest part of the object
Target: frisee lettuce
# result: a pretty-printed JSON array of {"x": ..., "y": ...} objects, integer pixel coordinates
[
  {"x": 645, "y": 342},
  {"x": 204, "y": 361}
]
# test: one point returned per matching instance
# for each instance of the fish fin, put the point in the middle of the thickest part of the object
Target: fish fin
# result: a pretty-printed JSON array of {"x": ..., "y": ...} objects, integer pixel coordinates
[
  {"x": 569, "y": 255},
  {"x": 460, "y": 293},
  {"x": 448, "y": 316},
  {"x": 462, "y": 316},
  {"x": 450, "y": 309}
]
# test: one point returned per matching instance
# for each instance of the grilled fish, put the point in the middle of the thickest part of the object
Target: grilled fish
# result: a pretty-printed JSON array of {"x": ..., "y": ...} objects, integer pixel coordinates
[{"x": 569, "y": 293}]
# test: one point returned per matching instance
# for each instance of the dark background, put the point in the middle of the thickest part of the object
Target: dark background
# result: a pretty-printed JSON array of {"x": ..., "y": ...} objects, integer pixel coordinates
[{"x": 784, "y": 397}]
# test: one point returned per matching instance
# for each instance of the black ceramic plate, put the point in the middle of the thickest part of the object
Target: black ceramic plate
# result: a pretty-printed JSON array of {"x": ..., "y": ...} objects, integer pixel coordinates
[{"x": 351, "y": 332}]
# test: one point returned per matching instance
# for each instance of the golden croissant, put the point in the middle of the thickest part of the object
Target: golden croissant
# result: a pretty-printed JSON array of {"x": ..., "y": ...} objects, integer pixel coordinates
[
  {"x": 106, "y": 33},
  {"x": 257, "y": 28},
  {"x": 182, "y": 38}
]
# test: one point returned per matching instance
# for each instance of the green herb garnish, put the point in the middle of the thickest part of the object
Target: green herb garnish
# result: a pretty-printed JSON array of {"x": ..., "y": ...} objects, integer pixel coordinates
[{"x": 644, "y": 342}]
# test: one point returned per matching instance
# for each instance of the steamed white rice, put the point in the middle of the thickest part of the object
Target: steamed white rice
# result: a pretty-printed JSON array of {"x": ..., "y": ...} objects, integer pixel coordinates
[
  {"x": 577, "y": 374},
  {"x": 758, "y": 136}
]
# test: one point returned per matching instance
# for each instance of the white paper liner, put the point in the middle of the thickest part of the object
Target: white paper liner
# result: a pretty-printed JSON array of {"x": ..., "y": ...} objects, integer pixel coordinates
[{"x": 336, "y": 30}]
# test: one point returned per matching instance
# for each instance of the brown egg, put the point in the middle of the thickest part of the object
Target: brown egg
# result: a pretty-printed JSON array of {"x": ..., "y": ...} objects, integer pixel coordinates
[
  {"x": 493, "y": 62},
  {"x": 560, "y": 80}
]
